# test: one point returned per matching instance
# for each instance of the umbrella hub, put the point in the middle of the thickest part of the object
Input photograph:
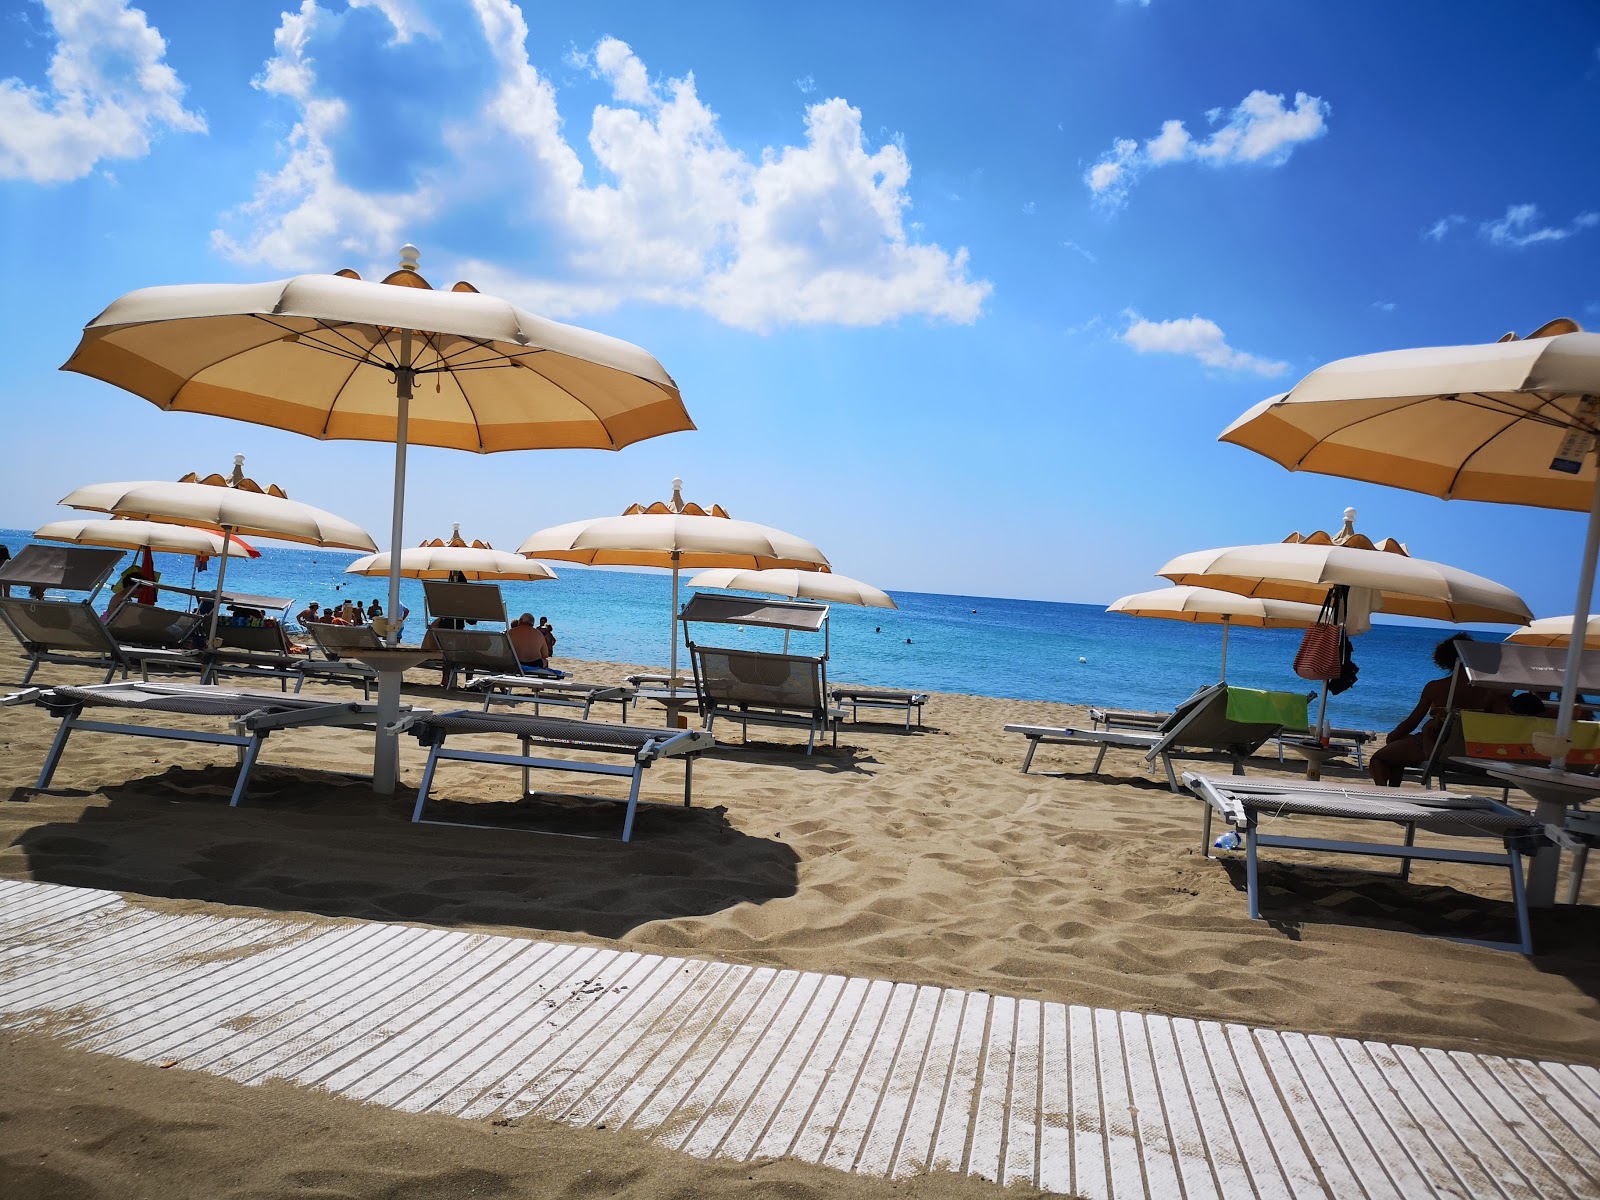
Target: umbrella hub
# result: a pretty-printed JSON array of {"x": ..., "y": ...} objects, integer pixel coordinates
[
  {"x": 1349, "y": 538},
  {"x": 1549, "y": 329},
  {"x": 407, "y": 274},
  {"x": 677, "y": 506},
  {"x": 455, "y": 542},
  {"x": 237, "y": 480}
]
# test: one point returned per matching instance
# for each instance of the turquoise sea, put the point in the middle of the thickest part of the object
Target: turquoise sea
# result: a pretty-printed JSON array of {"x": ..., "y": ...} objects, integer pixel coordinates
[{"x": 981, "y": 645}]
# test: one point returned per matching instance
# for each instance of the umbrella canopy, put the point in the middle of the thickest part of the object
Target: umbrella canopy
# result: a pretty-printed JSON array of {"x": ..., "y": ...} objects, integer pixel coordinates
[
  {"x": 1511, "y": 422},
  {"x": 797, "y": 585},
  {"x": 673, "y": 534},
  {"x": 1557, "y": 631},
  {"x": 335, "y": 356},
  {"x": 441, "y": 559},
  {"x": 1304, "y": 568},
  {"x": 1208, "y": 606},
  {"x": 146, "y": 535}
]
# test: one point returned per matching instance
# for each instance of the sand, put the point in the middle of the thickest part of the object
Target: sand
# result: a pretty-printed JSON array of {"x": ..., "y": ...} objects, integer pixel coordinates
[{"x": 925, "y": 857}]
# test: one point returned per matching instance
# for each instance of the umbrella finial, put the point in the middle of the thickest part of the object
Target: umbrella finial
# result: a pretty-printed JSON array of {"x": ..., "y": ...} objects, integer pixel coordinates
[
  {"x": 677, "y": 495},
  {"x": 409, "y": 257},
  {"x": 238, "y": 471},
  {"x": 1349, "y": 528}
]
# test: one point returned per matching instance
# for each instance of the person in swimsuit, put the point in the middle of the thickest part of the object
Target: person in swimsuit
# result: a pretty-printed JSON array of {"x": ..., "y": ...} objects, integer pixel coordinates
[{"x": 1411, "y": 742}]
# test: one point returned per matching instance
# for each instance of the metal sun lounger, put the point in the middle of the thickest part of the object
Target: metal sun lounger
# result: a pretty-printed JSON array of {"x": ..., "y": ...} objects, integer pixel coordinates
[
  {"x": 888, "y": 698},
  {"x": 264, "y": 651},
  {"x": 766, "y": 689},
  {"x": 644, "y": 745},
  {"x": 252, "y": 715},
  {"x": 70, "y": 633},
  {"x": 1199, "y": 723},
  {"x": 537, "y": 691},
  {"x": 1242, "y": 803},
  {"x": 471, "y": 652}
]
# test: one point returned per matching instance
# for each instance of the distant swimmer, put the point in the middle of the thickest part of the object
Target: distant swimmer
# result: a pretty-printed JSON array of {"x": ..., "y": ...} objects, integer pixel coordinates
[
  {"x": 974, "y": 610},
  {"x": 1082, "y": 659},
  {"x": 879, "y": 629},
  {"x": 908, "y": 641}
]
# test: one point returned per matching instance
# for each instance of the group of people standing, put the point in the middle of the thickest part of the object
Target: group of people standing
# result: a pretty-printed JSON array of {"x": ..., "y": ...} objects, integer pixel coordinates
[{"x": 351, "y": 612}]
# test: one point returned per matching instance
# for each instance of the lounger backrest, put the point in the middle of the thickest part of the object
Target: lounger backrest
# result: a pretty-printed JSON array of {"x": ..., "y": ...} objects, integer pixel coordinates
[
  {"x": 1207, "y": 725},
  {"x": 58, "y": 625},
  {"x": 787, "y": 681},
  {"x": 478, "y": 649},
  {"x": 1185, "y": 710},
  {"x": 152, "y": 625},
  {"x": 337, "y": 640},
  {"x": 258, "y": 639},
  {"x": 69, "y": 568},
  {"x": 465, "y": 601}
]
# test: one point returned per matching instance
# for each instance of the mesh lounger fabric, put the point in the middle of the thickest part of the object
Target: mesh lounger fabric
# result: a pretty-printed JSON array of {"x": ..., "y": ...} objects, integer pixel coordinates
[
  {"x": 196, "y": 701},
  {"x": 559, "y": 731},
  {"x": 1353, "y": 805},
  {"x": 875, "y": 694}
]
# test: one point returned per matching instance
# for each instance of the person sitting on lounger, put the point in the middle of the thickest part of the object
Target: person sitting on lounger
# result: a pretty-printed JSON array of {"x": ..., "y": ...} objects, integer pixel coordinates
[
  {"x": 529, "y": 643},
  {"x": 126, "y": 587},
  {"x": 1409, "y": 746}
]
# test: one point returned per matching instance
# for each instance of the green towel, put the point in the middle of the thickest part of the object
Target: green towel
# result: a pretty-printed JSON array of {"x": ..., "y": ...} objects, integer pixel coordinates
[{"x": 1250, "y": 706}]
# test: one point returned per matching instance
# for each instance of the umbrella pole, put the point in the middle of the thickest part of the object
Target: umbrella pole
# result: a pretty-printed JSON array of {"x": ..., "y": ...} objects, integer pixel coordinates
[
  {"x": 1580, "y": 625},
  {"x": 386, "y": 745},
  {"x": 1223, "y": 678},
  {"x": 672, "y": 676},
  {"x": 216, "y": 596}
]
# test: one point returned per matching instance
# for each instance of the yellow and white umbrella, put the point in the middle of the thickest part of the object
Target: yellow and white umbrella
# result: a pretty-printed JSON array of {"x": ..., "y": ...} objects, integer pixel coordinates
[
  {"x": 1208, "y": 606},
  {"x": 674, "y": 534},
  {"x": 439, "y": 559},
  {"x": 159, "y": 536},
  {"x": 1557, "y": 632},
  {"x": 796, "y": 585}
]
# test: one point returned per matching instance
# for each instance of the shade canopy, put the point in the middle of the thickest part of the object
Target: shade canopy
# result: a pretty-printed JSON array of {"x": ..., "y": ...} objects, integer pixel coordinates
[
  {"x": 1557, "y": 632},
  {"x": 797, "y": 585},
  {"x": 206, "y": 506},
  {"x": 1483, "y": 422},
  {"x": 443, "y": 561},
  {"x": 146, "y": 535},
  {"x": 319, "y": 355},
  {"x": 672, "y": 540},
  {"x": 1209, "y": 606}
]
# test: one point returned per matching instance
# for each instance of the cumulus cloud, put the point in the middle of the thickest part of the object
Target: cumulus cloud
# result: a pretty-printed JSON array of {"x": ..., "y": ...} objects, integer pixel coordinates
[
  {"x": 1523, "y": 226},
  {"x": 1261, "y": 129},
  {"x": 1441, "y": 228},
  {"x": 110, "y": 94},
  {"x": 653, "y": 205},
  {"x": 1198, "y": 338}
]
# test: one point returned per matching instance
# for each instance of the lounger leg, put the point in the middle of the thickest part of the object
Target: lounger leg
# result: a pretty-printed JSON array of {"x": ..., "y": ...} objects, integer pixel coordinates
[
  {"x": 300, "y": 682},
  {"x": 246, "y": 765},
  {"x": 1519, "y": 897},
  {"x": 1411, "y": 840},
  {"x": 1238, "y": 767},
  {"x": 527, "y": 771},
  {"x": 33, "y": 665},
  {"x": 1251, "y": 874},
  {"x": 811, "y": 737},
  {"x": 427, "y": 779},
  {"x": 1099, "y": 758},
  {"x": 1205, "y": 834},
  {"x": 1172, "y": 779},
  {"x": 1027, "y": 759},
  {"x": 1580, "y": 858},
  {"x": 112, "y": 670},
  {"x": 51, "y": 760},
  {"x": 633, "y": 803},
  {"x": 688, "y": 778}
]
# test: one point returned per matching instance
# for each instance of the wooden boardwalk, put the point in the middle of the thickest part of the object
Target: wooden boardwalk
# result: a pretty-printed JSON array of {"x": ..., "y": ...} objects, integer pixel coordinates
[{"x": 714, "y": 1059}]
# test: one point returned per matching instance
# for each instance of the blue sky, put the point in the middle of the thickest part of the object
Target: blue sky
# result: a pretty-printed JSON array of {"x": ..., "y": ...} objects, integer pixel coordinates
[{"x": 961, "y": 293}]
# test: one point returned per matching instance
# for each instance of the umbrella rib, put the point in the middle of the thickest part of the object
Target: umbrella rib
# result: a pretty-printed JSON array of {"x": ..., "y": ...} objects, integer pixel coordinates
[
  {"x": 1466, "y": 459},
  {"x": 1488, "y": 404},
  {"x": 568, "y": 393}
]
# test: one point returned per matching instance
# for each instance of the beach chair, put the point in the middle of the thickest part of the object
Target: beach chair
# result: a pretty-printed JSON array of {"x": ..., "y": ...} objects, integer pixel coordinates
[
  {"x": 643, "y": 745},
  {"x": 1217, "y": 718},
  {"x": 154, "y": 627},
  {"x": 264, "y": 651},
  {"x": 539, "y": 691},
  {"x": 251, "y": 717},
  {"x": 469, "y": 652},
  {"x": 1242, "y": 804},
  {"x": 71, "y": 633},
  {"x": 464, "y": 601},
  {"x": 761, "y": 688},
  {"x": 885, "y": 698},
  {"x": 1127, "y": 718}
]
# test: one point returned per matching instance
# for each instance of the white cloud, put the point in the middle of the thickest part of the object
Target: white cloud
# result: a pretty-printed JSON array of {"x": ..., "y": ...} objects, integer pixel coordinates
[
  {"x": 1030, "y": 208},
  {"x": 1198, "y": 338},
  {"x": 1383, "y": 306},
  {"x": 807, "y": 84},
  {"x": 111, "y": 92},
  {"x": 1077, "y": 249},
  {"x": 1260, "y": 129},
  {"x": 663, "y": 211},
  {"x": 1521, "y": 227},
  {"x": 1441, "y": 228}
]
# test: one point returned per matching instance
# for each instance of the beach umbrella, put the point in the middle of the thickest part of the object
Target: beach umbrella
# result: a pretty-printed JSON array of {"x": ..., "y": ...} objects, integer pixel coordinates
[
  {"x": 231, "y": 504},
  {"x": 1557, "y": 632},
  {"x": 796, "y": 585},
  {"x": 673, "y": 534},
  {"x": 1509, "y": 422},
  {"x": 440, "y": 559},
  {"x": 1208, "y": 606},
  {"x": 339, "y": 357},
  {"x": 161, "y": 536}
]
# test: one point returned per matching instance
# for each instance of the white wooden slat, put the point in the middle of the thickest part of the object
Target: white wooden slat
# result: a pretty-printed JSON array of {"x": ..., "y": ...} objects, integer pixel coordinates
[
  {"x": 1055, "y": 1101},
  {"x": 955, "y": 1119},
  {"x": 1428, "y": 1173},
  {"x": 889, "y": 1124},
  {"x": 987, "y": 1141},
  {"x": 1585, "y": 1074},
  {"x": 1570, "y": 1128},
  {"x": 1579, "y": 1098},
  {"x": 787, "y": 1069},
  {"x": 915, "y": 1152},
  {"x": 1217, "y": 1133},
  {"x": 25, "y": 908},
  {"x": 811, "y": 1142},
  {"x": 785, "y": 1027},
  {"x": 1116, "y": 1105},
  {"x": 797, "y": 1105},
  {"x": 1161, "y": 1179},
  {"x": 1182, "y": 1129},
  {"x": 1294, "y": 1164},
  {"x": 1021, "y": 1163},
  {"x": 1309, "y": 1109},
  {"x": 1545, "y": 1159},
  {"x": 1253, "y": 1145},
  {"x": 1361, "y": 1145},
  {"x": 1091, "y": 1159},
  {"x": 850, "y": 1131},
  {"x": 1459, "y": 1103}
]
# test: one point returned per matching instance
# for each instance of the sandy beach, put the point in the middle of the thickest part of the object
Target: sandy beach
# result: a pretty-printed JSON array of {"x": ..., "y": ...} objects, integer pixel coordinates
[{"x": 925, "y": 857}]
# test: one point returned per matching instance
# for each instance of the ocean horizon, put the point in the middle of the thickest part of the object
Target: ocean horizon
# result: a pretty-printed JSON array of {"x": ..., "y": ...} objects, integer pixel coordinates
[{"x": 974, "y": 645}]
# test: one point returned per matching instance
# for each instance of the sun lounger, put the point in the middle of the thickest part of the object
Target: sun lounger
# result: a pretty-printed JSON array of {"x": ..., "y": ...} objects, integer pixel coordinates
[
  {"x": 756, "y": 687},
  {"x": 644, "y": 745},
  {"x": 70, "y": 632},
  {"x": 1216, "y": 718},
  {"x": 1242, "y": 804},
  {"x": 537, "y": 691},
  {"x": 856, "y": 698},
  {"x": 469, "y": 652},
  {"x": 265, "y": 652},
  {"x": 251, "y": 715}
]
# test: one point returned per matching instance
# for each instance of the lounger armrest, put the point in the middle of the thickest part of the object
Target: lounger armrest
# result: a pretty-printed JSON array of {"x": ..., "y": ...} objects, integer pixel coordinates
[
  {"x": 688, "y": 741},
  {"x": 265, "y": 720},
  {"x": 1204, "y": 788},
  {"x": 25, "y": 696}
]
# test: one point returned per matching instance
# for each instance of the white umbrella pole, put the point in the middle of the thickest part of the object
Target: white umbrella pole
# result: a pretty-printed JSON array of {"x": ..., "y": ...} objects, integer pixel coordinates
[
  {"x": 386, "y": 748},
  {"x": 1580, "y": 623},
  {"x": 672, "y": 630},
  {"x": 1224, "y": 676},
  {"x": 222, "y": 573}
]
